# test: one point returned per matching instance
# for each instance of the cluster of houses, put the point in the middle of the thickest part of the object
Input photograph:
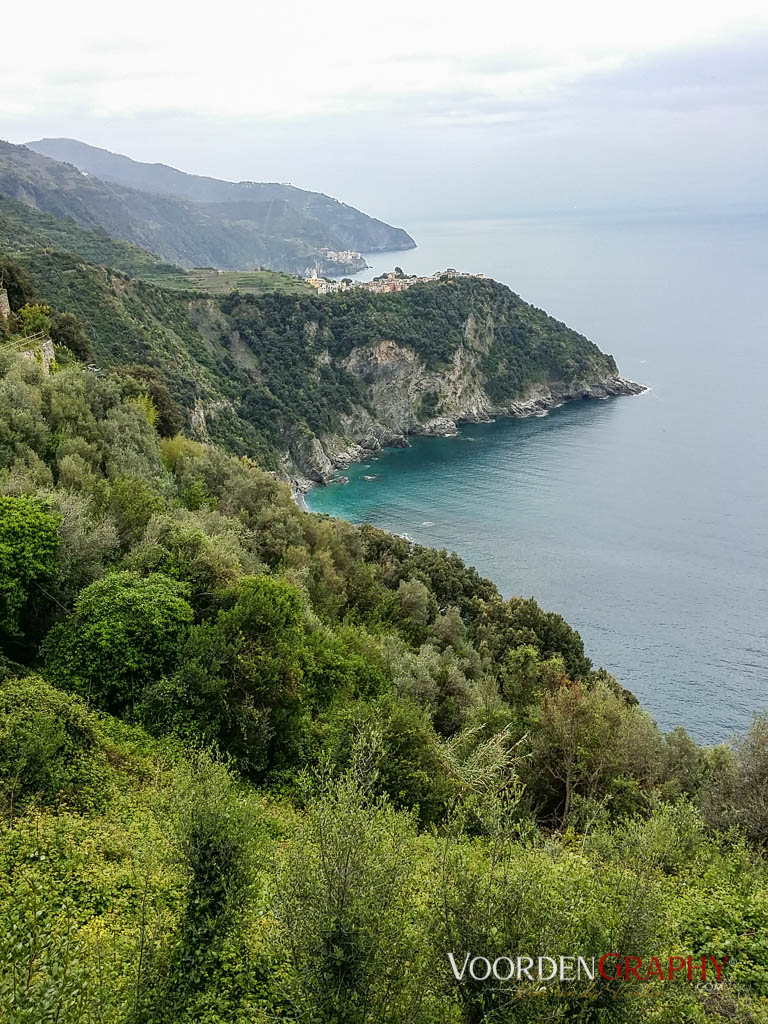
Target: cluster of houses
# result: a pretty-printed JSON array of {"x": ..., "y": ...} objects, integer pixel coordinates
[
  {"x": 343, "y": 256},
  {"x": 392, "y": 281}
]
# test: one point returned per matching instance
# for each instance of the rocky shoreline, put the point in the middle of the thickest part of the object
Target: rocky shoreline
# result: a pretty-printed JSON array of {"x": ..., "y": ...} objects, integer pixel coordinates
[{"x": 317, "y": 462}]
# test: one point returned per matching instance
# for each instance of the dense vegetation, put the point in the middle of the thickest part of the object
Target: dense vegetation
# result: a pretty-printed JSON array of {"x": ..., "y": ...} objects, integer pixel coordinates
[
  {"x": 267, "y": 371},
  {"x": 23, "y": 228},
  {"x": 258, "y": 765}
]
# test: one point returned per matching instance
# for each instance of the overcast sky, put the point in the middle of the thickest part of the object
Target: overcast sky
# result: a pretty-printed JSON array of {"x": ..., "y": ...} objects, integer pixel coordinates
[{"x": 410, "y": 110}]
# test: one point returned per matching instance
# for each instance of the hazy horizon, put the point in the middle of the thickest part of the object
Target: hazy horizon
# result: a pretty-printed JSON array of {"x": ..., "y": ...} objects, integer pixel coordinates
[{"x": 418, "y": 114}]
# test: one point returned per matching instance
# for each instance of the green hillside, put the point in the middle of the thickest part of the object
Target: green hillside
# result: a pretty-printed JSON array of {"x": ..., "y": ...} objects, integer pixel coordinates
[
  {"x": 240, "y": 234},
  {"x": 264, "y": 374},
  {"x": 258, "y": 766},
  {"x": 349, "y": 228},
  {"x": 23, "y": 228}
]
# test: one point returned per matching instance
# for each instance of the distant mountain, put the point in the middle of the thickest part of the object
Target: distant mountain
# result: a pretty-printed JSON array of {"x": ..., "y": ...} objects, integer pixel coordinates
[
  {"x": 343, "y": 227},
  {"x": 236, "y": 235}
]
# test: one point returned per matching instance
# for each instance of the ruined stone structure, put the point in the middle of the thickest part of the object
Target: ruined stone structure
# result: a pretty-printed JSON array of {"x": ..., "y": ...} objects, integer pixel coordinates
[{"x": 43, "y": 352}]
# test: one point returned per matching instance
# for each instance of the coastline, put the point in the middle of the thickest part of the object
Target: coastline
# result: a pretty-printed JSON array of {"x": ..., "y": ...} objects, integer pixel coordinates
[{"x": 540, "y": 401}]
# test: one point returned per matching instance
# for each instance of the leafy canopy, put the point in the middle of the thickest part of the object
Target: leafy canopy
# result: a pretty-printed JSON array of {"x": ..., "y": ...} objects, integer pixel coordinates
[
  {"x": 28, "y": 545},
  {"x": 124, "y": 632}
]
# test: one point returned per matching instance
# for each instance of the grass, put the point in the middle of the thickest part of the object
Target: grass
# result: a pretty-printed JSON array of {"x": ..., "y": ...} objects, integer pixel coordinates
[{"x": 222, "y": 282}]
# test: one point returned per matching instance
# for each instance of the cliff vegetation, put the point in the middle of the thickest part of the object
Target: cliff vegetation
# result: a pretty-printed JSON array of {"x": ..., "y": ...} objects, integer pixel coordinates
[
  {"x": 302, "y": 381},
  {"x": 258, "y": 765}
]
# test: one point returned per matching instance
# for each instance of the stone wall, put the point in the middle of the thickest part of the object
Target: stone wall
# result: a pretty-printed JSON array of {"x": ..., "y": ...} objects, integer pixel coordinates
[{"x": 44, "y": 353}]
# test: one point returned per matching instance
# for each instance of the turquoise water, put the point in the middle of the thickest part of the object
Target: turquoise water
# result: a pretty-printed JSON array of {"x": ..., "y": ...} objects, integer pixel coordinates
[{"x": 644, "y": 521}]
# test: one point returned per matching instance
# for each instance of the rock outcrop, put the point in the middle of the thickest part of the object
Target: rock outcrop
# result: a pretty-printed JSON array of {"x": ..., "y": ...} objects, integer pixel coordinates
[{"x": 406, "y": 398}]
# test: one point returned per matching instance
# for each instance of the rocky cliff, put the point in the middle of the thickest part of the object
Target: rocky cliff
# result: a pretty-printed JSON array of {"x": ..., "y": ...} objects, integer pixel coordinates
[
  {"x": 303, "y": 384},
  {"x": 404, "y": 397}
]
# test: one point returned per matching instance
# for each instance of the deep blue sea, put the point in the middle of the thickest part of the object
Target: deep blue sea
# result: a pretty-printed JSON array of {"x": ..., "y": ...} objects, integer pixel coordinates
[{"x": 644, "y": 521}]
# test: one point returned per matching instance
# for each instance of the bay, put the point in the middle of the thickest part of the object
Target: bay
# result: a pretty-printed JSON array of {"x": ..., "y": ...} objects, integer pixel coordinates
[{"x": 644, "y": 521}]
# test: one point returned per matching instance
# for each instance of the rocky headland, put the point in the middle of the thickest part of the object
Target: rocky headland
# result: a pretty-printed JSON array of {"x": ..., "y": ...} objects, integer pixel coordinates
[{"x": 399, "y": 388}]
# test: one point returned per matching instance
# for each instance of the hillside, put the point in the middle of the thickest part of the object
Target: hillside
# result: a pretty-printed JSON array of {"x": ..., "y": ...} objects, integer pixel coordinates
[
  {"x": 304, "y": 383},
  {"x": 260, "y": 766},
  {"x": 237, "y": 236},
  {"x": 349, "y": 228},
  {"x": 24, "y": 229}
]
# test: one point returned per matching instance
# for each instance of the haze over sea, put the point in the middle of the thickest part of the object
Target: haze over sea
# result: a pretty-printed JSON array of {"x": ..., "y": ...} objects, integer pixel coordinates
[{"x": 644, "y": 521}]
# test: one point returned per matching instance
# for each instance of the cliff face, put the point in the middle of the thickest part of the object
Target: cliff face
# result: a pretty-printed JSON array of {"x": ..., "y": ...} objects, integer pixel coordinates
[
  {"x": 305, "y": 384},
  {"x": 405, "y": 397}
]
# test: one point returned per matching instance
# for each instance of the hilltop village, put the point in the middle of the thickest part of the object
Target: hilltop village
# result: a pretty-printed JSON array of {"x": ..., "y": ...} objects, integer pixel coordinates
[{"x": 392, "y": 281}]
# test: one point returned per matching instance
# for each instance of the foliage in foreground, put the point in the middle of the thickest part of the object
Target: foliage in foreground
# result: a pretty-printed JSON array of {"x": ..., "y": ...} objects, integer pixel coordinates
[{"x": 256, "y": 765}]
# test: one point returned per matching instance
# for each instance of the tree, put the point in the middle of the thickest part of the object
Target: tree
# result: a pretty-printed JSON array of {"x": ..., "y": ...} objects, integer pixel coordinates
[
  {"x": 17, "y": 283},
  {"x": 736, "y": 789},
  {"x": 419, "y": 607},
  {"x": 525, "y": 676},
  {"x": 35, "y": 319},
  {"x": 409, "y": 767},
  {"x": 145, "y": 379},
  {"x": 240, "y": 681},
  {"x": 124, "y": 633},
  {"x": 67, "y": 329},
  {"x": 132, "y": 503},
  {"x": 508, "y": 624},
  {"x": 448, "y": 628},
  {"x": 346, "y": 898},
  {"x": 593, "y": 744},
  {"x": 28, "y": 557}
]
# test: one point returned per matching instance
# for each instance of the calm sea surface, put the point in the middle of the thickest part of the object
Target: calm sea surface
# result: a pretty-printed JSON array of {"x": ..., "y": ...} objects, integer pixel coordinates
[{"x": 644, "y": 521}]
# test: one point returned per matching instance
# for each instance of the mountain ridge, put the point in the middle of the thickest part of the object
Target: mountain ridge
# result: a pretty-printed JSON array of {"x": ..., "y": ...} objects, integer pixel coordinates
[
  {"x": 344, "y": 220},
  {"x": 180, "y": 231}
]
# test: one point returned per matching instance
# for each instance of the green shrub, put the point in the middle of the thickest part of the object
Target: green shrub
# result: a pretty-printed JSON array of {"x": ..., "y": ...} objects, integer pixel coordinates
[
  {"x": 124, "y": 633},
  {"x": 28, "y": 545},
  {"x": 48, "y": 748},
  {"x": 213, "y": 841},
  {"x": 347, "y": 897}
]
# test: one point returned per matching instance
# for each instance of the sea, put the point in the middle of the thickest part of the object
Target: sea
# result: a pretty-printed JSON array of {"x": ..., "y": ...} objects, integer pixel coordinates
[{"x": 642, "y": 520}]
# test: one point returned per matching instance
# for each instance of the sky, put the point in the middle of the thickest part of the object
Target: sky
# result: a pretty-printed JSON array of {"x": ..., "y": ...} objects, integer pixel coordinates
[{"x": 412, "y": 110}]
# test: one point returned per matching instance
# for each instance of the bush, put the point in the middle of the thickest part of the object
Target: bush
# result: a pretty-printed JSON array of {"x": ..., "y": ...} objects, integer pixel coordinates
[
  {"x": 28, "y": 545},
  {"x": 48, "y": 748},
  {"x": 734, "y": 793},
  {"x": 34, "y": 319},
  {"x": 409, "y": 767},
  {"x": 347, "y": 900},
  {"x": 213, "y": 839},
  {"x": 67, "y": 329},
  {"x": 124, "y": 633}
]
